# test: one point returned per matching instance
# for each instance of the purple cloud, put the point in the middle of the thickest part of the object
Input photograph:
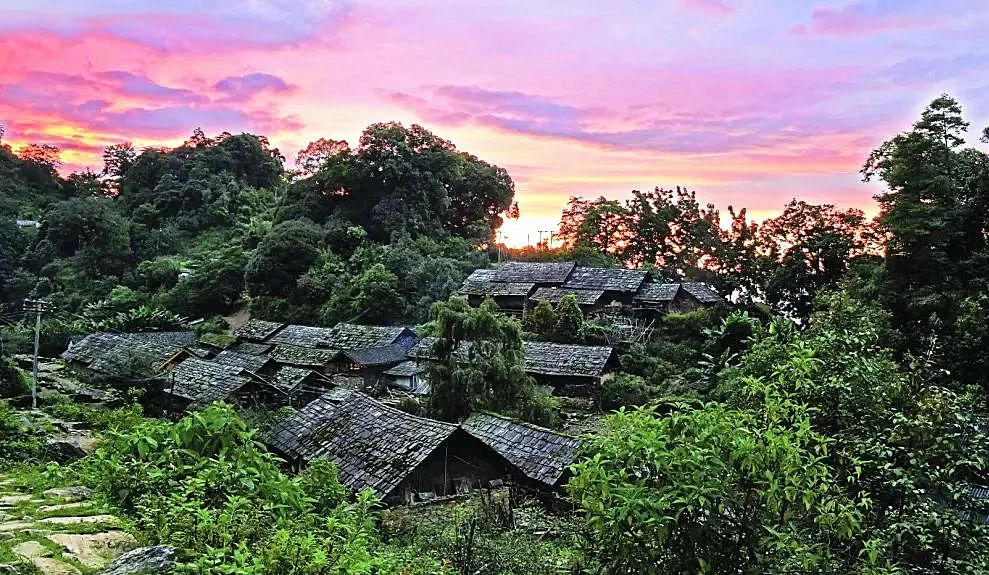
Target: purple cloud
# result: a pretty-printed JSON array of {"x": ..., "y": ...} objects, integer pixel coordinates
[
  {"x": 706, "y": 6},
  {"x": 240, "y": 88},
  {"x": 862, "y": 18}
]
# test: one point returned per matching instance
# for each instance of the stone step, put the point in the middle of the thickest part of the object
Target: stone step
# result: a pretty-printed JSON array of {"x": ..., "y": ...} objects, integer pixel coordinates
[
  {"x": 81, "y": 520},
  {"x": 94, "y": 550}
]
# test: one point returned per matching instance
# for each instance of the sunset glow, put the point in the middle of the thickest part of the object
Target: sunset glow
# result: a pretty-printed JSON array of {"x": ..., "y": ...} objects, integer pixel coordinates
[{"x": 749, "y": 102}]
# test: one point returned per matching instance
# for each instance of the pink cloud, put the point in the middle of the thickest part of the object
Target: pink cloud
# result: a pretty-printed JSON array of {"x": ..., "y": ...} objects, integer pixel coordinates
[
  {"x": 706, "y": 6},
  {"x": 863, "y": 18}
]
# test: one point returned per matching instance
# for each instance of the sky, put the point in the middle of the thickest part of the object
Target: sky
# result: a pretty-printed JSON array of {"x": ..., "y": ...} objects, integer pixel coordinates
[{"x": 748, "y": 102}]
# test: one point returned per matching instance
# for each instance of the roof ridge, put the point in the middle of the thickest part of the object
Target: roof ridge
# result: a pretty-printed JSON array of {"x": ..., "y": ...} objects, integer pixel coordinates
[{"x": 520, "y": 422}]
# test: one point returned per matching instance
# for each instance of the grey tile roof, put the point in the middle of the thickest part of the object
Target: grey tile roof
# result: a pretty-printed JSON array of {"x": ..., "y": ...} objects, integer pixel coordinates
[
  {"x": 374, "y": 356},
  {"x": 303, "y": 356},
  {"x": 242, "y": 360},
  {"x": 545, "y": 358},
  {"x": 497, "y": 289},
  {"x": 481, "y": 275},
  {"x": 289, "y": 378},
  {"x": 172, "y": 338},
  {"x": 656, "y": 292},
  {"x": 102, "y": 352},
  {"x": 535, "y": 272},
  {"x": 257, "y": 330},
  {"x": 539, "y": 453},
  {"x": 302, "y": 335},
  {"x": 202, "y": 381},
  {"x": 373, "y": 445},
  {"x": 288, "y": 435},
  {"x": 346, "y": 336},
  {"x": 554, "y": 295},
  {"x": 251, "y": 348},
  {"x": 541, "y": 358},
  {"x": 609, "y": 279},
  {"x": 702, "y": 292},
  {"x": 406, "y": 369}
]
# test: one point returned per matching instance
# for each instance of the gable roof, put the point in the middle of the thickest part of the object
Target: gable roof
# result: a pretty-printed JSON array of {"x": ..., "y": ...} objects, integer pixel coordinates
[
  {"x": 535, "y": 272},
  {"x": 303, "y": 356},
  {"x": 498, "y": 289},
  {"x": 202, "y": 381},
  {"x": 302, "y": 335},
  {"x": 481, "y": 275},
  {"x": 374, "y": 445},
  {"x": 655, "y": 292},
  {"x": 539, "y": 453},
  {"x": 546, "y": 358},
  {"x": 405, "y": 369},
  {"x": 287, "y": 436},
  {"x": 541, "y": 358},
  {"x": 257, "y": 330},
  {"x": 242, "y": 360},
  {"x": 554, "y": 295},
  {"x": 702, "y": 292},
  {"x": 373, "y": 356},
  {"x": 609, "y": 279},
  {"x": 289, "y": 378},
  {"x": 251, "y": 348},
  {"x": 102, "y": 352},
  {"x": 347, "y": 336}
]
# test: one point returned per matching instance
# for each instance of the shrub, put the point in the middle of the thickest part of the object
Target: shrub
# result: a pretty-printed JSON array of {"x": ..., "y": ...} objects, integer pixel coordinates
[
  {"x": 626, "y": 390},
  {"x": 17, "y": 442}
]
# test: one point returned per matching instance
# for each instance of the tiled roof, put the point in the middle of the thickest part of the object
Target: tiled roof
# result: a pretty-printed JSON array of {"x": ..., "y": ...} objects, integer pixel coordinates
[
  {"x": 372, "y": 356},
  {"x": 288, "y": 435},
  {"x": 554, "y": 295},
  {"x": 539, "y": 453},
  {"x": 288, "y": 378},
  {"x": 172, "y": 338},
  {"x": 346, "y": 336},
  {"x": 257, "y": 330},
  {"x": 102, "y": 352},
  {"x": 203, "y": 381},
  {"x": 655, "y": 292},
  {"x": 481, "y": 275},
  {"x": 608, "y": 279},
  {"x": 406, "y": 369},
  {"x": 541, "y": 358},
  {"x": 303, "y": 356},
  {"x": 545, "y": 358},
  {"x": 373, "y": 445},
  {"x": 498, "y": 289},
  {"x": 535, "y": 272},
  {"x": 303, "y": 335},
  {"x": 242, "y": 360},
  {"x": 702, "y": 292},
  {"x": 251, "y": 348}
]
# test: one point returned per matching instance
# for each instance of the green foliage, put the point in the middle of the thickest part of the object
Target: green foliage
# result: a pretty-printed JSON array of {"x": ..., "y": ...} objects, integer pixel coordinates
[
  {"x": 625, "y": 390},
  {"x": 17, "y": 441},
  {"x": 705, "y": 488},
  {"x": 205, "y": 486},
  {"x": 486, "y": 373}
]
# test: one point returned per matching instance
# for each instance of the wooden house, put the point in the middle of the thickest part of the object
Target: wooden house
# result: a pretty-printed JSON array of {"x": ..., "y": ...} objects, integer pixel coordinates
[
  {"x": 540, "y": 457},
  {"x": 409, "y": 376},
  {"x": 587, "y": 299},
  {"x": 401, "y": 457},
  {"x": 618, "y": 284}
]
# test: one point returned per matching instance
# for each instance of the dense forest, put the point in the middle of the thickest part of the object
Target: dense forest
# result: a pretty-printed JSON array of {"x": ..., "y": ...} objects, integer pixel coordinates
[{"x": 831, "y": 419}]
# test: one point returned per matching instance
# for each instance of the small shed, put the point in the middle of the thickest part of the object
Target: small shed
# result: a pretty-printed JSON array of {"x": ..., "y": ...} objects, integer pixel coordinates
[
  {"x": 569, "y": 368},
  {"x": 408, "y": 376},
  {"x": 541, "y": 456}
]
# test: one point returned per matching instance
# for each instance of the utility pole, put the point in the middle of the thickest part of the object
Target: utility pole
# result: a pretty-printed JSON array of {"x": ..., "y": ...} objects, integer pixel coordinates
[{"x": 38, "y": 306}]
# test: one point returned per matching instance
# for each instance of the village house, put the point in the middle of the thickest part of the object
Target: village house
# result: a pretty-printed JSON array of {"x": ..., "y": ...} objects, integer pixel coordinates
[
  {"x": 408, "y": 376},
  {"x": 109, "y": 353},
  {"x": 401, "y": 457},
  {"x": 570, "y": 369},
  {"x": 540, "y": 456},
  {"x": 617, "y": 284},
  {"x": 587, "y": 299},
  {"x": 658, "y": 299},
  {"x": 510, "y": 296},
  {"x": 195, "y": 383}
]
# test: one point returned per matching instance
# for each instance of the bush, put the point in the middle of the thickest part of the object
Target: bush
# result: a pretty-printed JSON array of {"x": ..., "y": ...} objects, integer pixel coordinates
[
  {"x": 17, "y": 442},
  {"x": 205, "y": 486},
  {"x": 626, "y": 390}
]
